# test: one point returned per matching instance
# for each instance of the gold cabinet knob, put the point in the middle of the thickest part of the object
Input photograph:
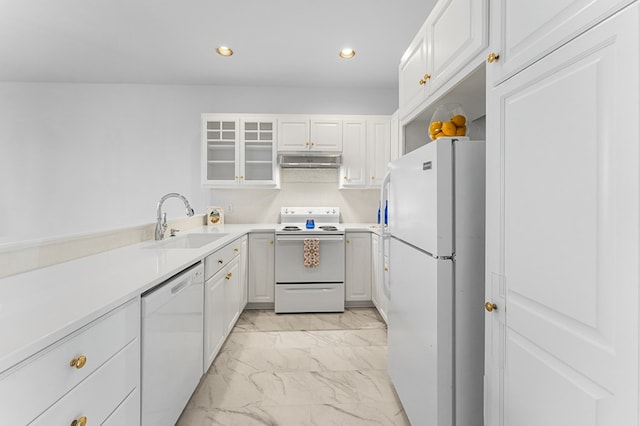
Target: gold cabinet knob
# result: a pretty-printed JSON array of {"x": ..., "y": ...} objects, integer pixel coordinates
[
  {"x": 241, "y": 177},
  {"x": 220, "y": 262},
  {"x": 493, "y": 57},
  {"x": 313, "y": 144},
  {"x": 424, "y": 79},
  {"x": 386, "y": 269},
  {"x": 348, "y": 241},
  {"x": 82, "y": 421},
  {"x": 78, "y": 362},
  {"x": 228, "y": 276},
  {"x": 237, "y": 177},
  {"x": 306, "y": 144},
  {"x": 236, "y": 250},
  {"x": 490, "y": 307},
  {"x": 373, "y": 177},
  {"x": 345, "y": 178},
  {"x": 271, "y": 242}
]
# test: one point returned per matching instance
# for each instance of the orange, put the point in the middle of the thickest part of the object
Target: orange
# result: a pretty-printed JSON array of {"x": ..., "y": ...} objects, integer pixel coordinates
[
  {"x": 435, "y": 127},
  {"x": 459, "y": 120},
  {"x": 461, "y": 131},
  {"x": 448, "y": 128},
  {"x": 436, "y": 134}
]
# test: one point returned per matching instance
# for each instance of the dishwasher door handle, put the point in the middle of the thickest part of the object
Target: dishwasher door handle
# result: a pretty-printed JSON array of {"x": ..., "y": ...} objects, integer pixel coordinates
[{"x": 176, "y": 289}]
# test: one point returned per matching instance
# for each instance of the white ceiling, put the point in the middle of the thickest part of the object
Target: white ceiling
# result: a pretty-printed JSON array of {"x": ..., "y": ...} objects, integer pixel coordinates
[{"x": 174, "y": 41}]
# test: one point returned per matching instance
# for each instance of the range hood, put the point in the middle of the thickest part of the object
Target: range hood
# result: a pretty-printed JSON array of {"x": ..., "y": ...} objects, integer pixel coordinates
[{"x": 310, "y": 160}]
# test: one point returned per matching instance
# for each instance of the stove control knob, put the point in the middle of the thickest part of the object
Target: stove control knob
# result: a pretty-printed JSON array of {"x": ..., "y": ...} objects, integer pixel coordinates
[
  {"x": 286, "y": 211},
  {"x": 333, "y": 211},
  {"x": 310, "y": 211},
  {"x": 292, "y": 212},
  {"x": 327, "y": 211}
]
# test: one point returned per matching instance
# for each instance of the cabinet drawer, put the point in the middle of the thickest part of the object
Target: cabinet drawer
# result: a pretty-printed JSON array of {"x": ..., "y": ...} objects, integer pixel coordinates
[
  {"x": 98, "y": 396},
  {"x": 38, "y": 382},
  {"x": 127, "y": 413},
  {"x": 216, "y": 261}
]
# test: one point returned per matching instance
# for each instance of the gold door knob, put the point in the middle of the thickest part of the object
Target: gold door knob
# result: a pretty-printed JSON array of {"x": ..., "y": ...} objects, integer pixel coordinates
[
  {"x": 493, "y": 57},
  {"x": 78, "y": 362},
  {"x": 424, "y": 79},
  {"x": 82, "y": 421},
  {"x": 228, "y": 276},
  {"x": 490, "y": 307}
]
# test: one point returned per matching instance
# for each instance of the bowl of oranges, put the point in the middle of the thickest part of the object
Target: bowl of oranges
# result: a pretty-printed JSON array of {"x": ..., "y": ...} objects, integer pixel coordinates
[{"x": 449, "y": 121}]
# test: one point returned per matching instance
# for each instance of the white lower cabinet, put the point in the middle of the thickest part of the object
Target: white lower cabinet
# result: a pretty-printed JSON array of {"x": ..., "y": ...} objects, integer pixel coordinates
[
  {"x": 214, "y": 318},
  {"x": 379, "y": 269},
  {"x": 222, "y": 296},
  {"x": 262, "y": 279},
  {"x": 358, "y": 267},
  {"x": 243, "y": 272},
  {"x": 87, "y": 374}
]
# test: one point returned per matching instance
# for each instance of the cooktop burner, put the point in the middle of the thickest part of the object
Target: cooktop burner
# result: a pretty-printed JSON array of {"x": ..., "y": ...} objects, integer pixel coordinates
[
  {"x": 291, "y": 228},
  {"x": 328, "y": 228}
]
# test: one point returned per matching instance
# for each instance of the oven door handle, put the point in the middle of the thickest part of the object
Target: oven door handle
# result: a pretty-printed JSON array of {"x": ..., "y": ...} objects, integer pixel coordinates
[{"x": 303, "y": 237}]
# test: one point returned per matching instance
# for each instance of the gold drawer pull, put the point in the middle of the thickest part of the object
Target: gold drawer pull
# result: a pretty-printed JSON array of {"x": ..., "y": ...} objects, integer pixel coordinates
[
  {"x": 493, "y": 57},
  {"x": 78, "y": 362},
  {"x": 228, "y": 276},
  {"x": 82, "y": 421}
]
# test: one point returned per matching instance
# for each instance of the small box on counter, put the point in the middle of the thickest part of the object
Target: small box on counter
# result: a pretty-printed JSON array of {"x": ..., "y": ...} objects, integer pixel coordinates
[{"x": 215, "y": 216}]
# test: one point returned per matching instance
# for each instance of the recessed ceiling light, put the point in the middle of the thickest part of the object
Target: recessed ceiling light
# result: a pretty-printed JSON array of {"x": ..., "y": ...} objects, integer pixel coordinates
[
  {"x": 224, "y": 51},
  {"x": 347, "y": 53}
]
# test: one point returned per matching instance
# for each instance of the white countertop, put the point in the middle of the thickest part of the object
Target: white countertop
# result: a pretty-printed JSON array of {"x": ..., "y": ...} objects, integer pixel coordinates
[{"x": 39, "y": 307}]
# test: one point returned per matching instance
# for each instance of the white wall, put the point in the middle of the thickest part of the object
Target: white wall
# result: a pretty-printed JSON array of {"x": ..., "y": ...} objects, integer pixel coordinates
[{"x": 81, "y": 158}]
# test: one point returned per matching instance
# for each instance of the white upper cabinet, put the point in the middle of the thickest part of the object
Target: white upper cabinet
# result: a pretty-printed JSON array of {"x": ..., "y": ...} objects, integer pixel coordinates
[
  {"x": 304, "y": 133},
  {"x": 239, "y": 151},
  {"x": 457, "y": 31},
  {"x": 354, "y": 154},
  {"x": 453, "y": 37},
  {"x": 378, "y": 150},
  {"x": 523, "y": 32},
  {"x": 414, "y": 78},
  {"x": 366, "y": 152}
]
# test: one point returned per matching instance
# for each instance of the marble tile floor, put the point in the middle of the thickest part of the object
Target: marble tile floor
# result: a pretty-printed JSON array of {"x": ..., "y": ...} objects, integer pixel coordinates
[{"x": 299, "y": 369}]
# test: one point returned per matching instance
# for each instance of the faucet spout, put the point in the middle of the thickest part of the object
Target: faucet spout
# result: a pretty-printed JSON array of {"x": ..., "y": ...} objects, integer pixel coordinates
[{"x": 161, "y": 219}]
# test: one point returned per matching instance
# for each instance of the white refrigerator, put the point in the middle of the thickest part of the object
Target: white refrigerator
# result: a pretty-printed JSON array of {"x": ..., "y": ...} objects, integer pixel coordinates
[{"x": 436, "y": 283}]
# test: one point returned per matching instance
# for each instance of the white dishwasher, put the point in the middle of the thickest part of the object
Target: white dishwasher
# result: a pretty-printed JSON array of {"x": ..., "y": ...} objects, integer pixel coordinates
[{"x": 172, "y": 345}]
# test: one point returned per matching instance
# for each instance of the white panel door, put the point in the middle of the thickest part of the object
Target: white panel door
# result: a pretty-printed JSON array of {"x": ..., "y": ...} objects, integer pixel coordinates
[
  {"x": 378, "y": 150},
  {"x": 523, "y": 32},
  {"x": 326, "y": 135},
  {"x": 457, "y": 32},
  {"x": 562, "y": 235},
  {"x": 354, "y": 152},
  {"x": 413, "y": 81},
  {"x": 293, "y": 134}
]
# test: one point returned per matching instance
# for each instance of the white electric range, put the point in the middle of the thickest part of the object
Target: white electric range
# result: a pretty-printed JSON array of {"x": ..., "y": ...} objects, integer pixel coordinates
[{"x": 304, "y": 285}]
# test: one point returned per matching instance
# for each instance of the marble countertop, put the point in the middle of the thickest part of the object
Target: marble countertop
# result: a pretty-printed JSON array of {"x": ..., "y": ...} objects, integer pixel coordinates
[{"x": 39, "y": 307}]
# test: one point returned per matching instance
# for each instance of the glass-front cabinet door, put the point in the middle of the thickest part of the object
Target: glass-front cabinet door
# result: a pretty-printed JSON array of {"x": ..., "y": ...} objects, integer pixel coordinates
[
  {"x": 239, "y": 151},
  {"x": 221, "y": 150},
  {"x": 259, "y": 151}
]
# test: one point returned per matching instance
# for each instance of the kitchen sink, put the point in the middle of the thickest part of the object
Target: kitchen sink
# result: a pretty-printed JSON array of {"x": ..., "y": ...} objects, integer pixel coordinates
[{"x": 189, "y": 241}]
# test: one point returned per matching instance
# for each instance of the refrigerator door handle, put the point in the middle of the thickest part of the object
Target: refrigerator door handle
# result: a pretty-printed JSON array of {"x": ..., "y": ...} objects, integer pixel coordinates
[{"x": 384, "y": 195}]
